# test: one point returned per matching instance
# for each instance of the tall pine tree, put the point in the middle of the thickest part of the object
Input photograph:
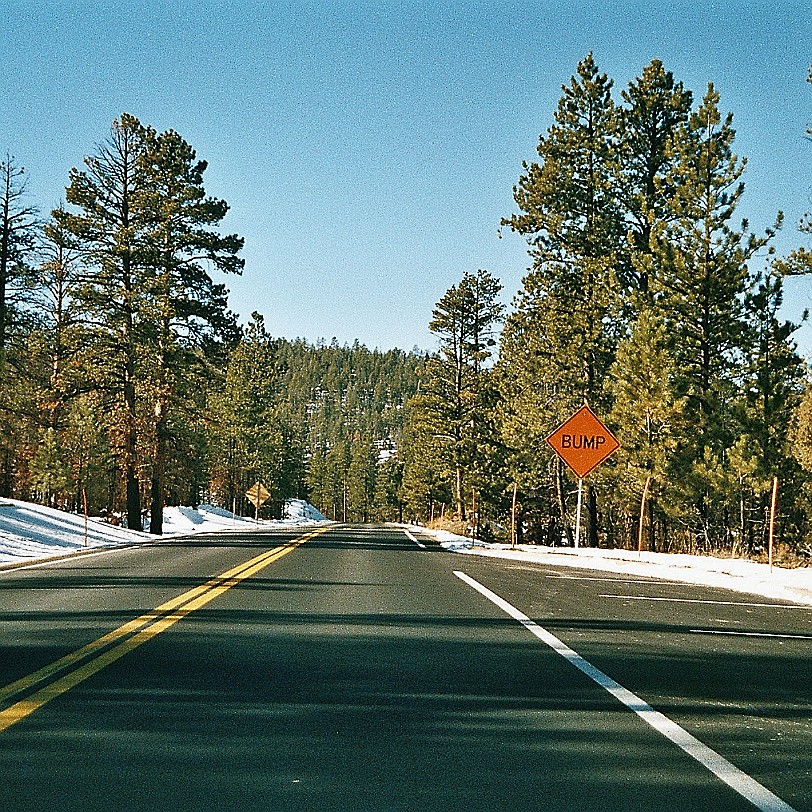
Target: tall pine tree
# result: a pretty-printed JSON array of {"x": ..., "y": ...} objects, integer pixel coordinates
[
  {"x": 656, "y": 108},
  {"x": 451, "y": 406},
  {"x": 18, "y": 233},
  {"x": 566, "y": 323},
  {"x": 702, "y": 275},
  {"x": 245, "y": 441},
  {"x": 647, "y": 414},
  {"x": 110, "y": 195},
  {"x": 185, "y": 312}
]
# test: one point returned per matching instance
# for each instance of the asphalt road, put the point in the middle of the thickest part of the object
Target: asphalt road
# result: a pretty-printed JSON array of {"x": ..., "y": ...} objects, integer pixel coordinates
[{"x": 360, "y": 671}]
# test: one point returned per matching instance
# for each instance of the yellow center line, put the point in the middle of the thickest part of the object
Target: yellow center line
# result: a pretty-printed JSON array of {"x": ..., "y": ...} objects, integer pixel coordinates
[
  {"x": 140, "y": 630},
  {"x": 122, "y": 631}
]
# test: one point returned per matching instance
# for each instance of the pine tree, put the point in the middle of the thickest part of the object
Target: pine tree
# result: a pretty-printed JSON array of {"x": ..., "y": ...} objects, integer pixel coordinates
[
  {"x": 186, "y": 312},
  {"x": 702, "y": 276},
  {"x": 802, "y": 430},
  {"x": 86, "y": 447},
  {"x": 568, "y": 201},
  {"x": 464, "y": 320},
  {"x": 703, "y": 259},
  {"x": 246, "y": 436},
  {"x": 571, "y": 217},
  {"x": 18, "y": 233},
  {"x": 646, "y": 413},
  {"x": 772, "y": 385},
  {"x": 56, "y": 346},
  {"x": 428, "y": 462},
  {"x": 774, "y": 373},
  {"x": 109, "y": 195},
  {"x": 534, "y": 398},
  {"x": 51, "y": 357},
  {"x": 49, "y": 472},
  {"x": 361, "y": 480},
  {"x": 389, "y": 497},
  {"x": 148, "y": 236},
  {"x": 656, "y": 107}
]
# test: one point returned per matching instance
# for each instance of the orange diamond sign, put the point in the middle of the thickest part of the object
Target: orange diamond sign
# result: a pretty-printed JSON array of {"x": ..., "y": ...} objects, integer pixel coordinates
[{"x": 583, "y": 442}]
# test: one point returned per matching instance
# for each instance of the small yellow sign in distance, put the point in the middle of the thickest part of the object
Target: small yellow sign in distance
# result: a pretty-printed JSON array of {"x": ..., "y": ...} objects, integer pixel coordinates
[{"x": 257, "y": 494}]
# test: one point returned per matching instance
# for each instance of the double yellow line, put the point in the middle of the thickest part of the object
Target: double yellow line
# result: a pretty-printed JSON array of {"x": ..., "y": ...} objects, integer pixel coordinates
[{"x": 68, "y": 671}]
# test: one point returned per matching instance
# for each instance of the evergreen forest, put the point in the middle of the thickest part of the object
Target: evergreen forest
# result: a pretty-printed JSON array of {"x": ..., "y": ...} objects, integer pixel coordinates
[{"x": 126, "y": 383}]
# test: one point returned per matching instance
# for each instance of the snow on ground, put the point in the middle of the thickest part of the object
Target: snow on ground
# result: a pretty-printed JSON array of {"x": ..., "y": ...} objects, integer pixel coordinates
[
  {"x": 737, "y": 574},
  {"x": 207, "y": 518},
  {"x": 29, "y": 532},
  {"x": 300, "y": 512}
]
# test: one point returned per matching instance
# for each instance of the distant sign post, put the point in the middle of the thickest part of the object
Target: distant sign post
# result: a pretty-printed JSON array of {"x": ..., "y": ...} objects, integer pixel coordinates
[
  {"x": 257, "y": 495},
  {"x": 583, "y": 442}
]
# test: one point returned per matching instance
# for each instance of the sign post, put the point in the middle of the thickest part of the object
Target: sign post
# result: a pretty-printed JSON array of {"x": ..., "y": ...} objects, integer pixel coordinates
[
  {"x": 513, "y": 517},
  {"x": 257, "y": 494},
  {"x": 773, "y": 503},
  {"x": 84, "y": 504},
  {"x": 583, "y": 442},
  {"x": 578, "y": 512}
]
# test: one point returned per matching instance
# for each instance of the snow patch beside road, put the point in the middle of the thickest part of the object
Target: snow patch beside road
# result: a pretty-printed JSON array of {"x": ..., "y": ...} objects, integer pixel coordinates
[{"x": 30, "y": 532}]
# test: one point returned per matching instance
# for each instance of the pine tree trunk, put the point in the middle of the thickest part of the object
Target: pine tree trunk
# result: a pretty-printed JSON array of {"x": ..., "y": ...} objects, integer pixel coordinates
[
  {"x": 459, "y": 496},
  {"x": 2, "y": 309},
  {"x": 133, "y": 499},
  {"x": 7, "y": 474},
  {"x": 131, "y": 472},
  {"x": 4, "y": 252},
  {"x": 156, "y": 504},
  {"x": 592, "y": 516}
]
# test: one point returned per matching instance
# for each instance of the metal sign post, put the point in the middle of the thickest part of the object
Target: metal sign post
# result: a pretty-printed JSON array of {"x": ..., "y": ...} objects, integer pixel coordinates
[
  {"x": 773, "y": 504},
  {"x": 578, "y": 512},
  {"x": 513, "y": 517},
  {"x": 84, "y": 504}
]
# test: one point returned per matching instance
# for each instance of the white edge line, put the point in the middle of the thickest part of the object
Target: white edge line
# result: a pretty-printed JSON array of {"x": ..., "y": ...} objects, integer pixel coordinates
[
  {"x": 9, "y": 567},
  {"x": 725, "y": 632},
  {"x": 560, "y": 577},
  {"x": 714, "y": 603},
  {"x": 743, "y": 784},
  {"x": 418, "y": 543}
]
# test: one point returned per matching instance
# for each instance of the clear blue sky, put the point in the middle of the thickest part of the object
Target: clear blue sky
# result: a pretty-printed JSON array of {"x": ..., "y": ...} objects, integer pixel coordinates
[{"x": 368, "y": 150}]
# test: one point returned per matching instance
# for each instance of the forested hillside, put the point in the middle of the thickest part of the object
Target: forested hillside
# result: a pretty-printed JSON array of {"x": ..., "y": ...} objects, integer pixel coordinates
[
  {"x": 318, "y": 422},
  {"x": 127, "y": 384}
]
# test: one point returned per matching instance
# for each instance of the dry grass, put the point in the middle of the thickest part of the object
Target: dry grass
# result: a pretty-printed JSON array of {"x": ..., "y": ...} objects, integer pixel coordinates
[
  {"x": 784, "y": 556},
  {"x": 451, "y": 526}
]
